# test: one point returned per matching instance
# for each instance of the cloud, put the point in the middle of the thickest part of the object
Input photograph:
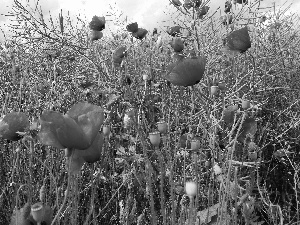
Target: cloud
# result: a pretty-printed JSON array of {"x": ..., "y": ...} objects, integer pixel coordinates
[{"x": 148, "y": 13}]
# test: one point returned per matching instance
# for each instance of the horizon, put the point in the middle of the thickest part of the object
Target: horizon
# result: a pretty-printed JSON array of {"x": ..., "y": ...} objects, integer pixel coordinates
[{"x": 148, "y": 14}]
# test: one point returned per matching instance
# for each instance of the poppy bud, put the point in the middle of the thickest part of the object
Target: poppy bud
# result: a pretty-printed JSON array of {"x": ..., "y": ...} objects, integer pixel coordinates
[
  {"x": 176, "y": 2},
  {"x": 119, "y": 54}
]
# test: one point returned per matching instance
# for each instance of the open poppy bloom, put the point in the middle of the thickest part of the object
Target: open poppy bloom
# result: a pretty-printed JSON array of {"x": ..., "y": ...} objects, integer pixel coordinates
[
  {"x": 238, "y": 40},
  {"x": 97, "y": 23},
  {"x": 132, "y": 27},
  {"x": 174, "y": 31},
  {"x": 140, "y": 34},
  {"x": 13, "y": 123},
  {"x": 187, "y": 71},
  {"x": 77, "y": 129},
  {"x": 203, "y": 11},
  {"x": 119, "y": 54}
]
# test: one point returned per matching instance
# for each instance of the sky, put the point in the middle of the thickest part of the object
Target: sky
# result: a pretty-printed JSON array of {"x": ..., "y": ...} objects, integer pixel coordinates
[{"x": 148, "y": 13}]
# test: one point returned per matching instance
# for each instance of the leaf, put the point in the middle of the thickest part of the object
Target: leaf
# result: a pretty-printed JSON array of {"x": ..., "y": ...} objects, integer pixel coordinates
[{"x": 93, "y": 153}]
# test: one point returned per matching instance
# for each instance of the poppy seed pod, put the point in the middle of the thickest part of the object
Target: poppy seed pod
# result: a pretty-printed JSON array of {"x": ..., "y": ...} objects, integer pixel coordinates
[
  {"x": 186, "y": 72},
  {"x": 245, "y": 104},
  {"x": 174, "y": 31},
  {"x": 140, "y": 33},
  {"x": 162, "y": 126},
  {"x": 132, "y": 27},
  {"x": 97, "y": 23},
  {"x": 191, "y": 188},
  {"x": 95, "y": 35},
  {"x": 11, "y": 124},
  {"x": 195, "y": 144},
  {"x": 177, "y": 44},
  {"x": 106, "y": 130},
  {"x": 154, "y": 138},
  {"x": 214, "y": 90},
  {"x": 38, "y": 212},
  {"x": 238, "y": 40},
  {"x": 119, "y": 54}
]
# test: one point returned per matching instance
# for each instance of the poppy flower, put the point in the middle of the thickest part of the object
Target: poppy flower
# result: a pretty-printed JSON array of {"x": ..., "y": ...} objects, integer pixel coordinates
[
  {"x": 186, "y": 72},
  {"x": 174, "y": 31},
  {"x": 238, "y": 40},
  {"x": 95, "y": 35},
  {"x": 240, "y": 1},
  {"x": 188, "y": 4},
  {"x": 177, "y": 44},
  {"x": 203, "y": 11},
  {"x": 176, "y": 2},
  {"x": 93, "y": 153},
  {"x": 77, "y": 129},
  {"x": 119, "y": 54},
  {"x": 228, "y": 6},
  {"x": 197, "y": 3},
  {"x": 226, "y": 19},
  {"x": 97, "y": 23},
  {"x": 13, "y": 123},
  {"x": 132, "y": 27},
  {"x": 140, "y": 34}
]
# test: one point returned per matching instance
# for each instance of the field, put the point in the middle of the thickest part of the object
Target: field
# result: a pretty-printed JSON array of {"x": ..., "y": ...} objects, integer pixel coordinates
[{"x": 196, "y": 123}]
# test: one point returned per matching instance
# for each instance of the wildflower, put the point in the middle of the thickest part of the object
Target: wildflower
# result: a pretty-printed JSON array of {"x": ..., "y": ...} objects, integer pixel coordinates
[
  {"x": 76, "y": 129},
  {"x": 97, "y": 23},
  {"x": 140, "y": 34},
  {"x": 12, "y": 124},
  {"x": 132, "y": 27},
  {"x": 238, "y": 40},
  {"x": 187, "y": 71}
]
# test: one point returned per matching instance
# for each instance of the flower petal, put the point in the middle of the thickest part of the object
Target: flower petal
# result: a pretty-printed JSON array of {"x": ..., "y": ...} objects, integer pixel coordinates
[{"x": 93, "y": 153}]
